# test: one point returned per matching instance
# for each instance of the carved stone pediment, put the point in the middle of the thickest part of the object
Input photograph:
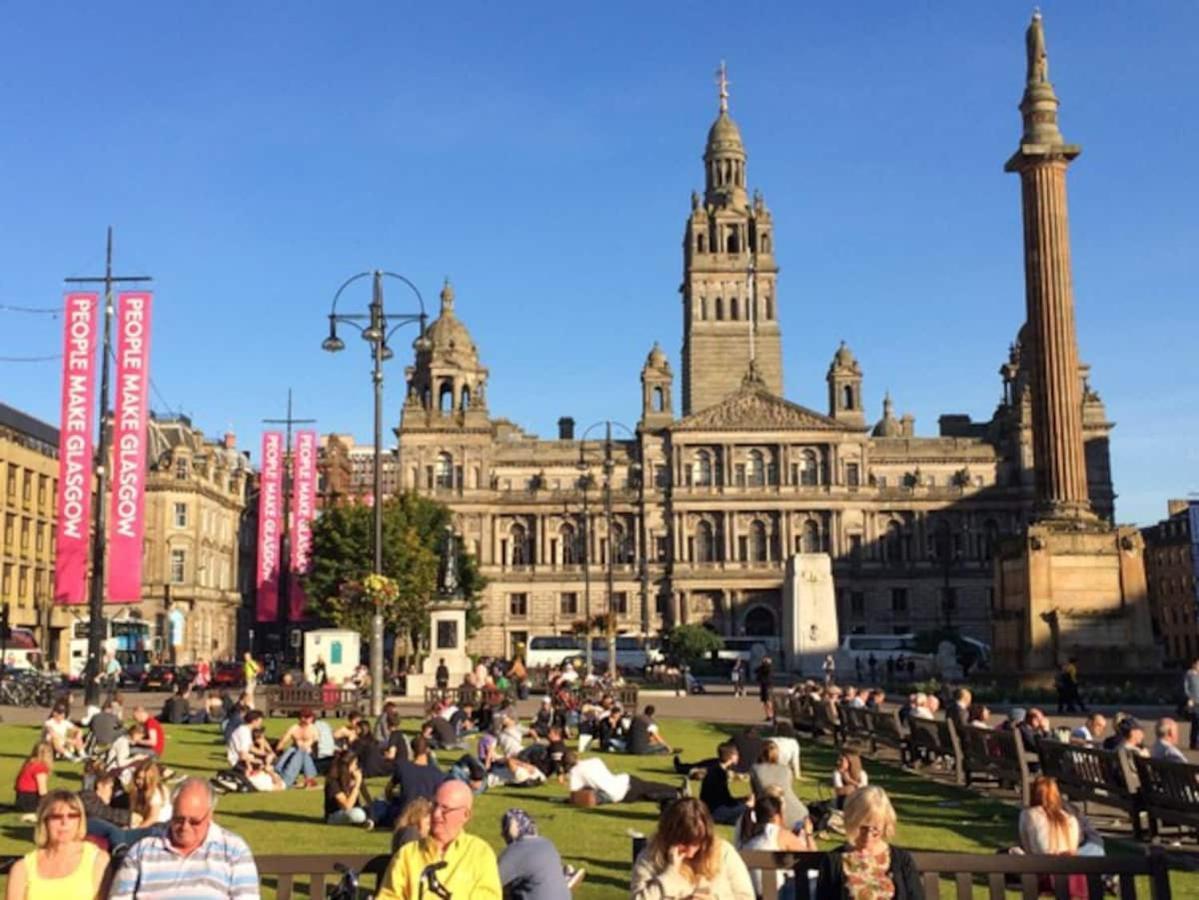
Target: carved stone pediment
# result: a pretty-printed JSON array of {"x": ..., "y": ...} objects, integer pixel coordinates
[{"x": 753, "y": 408}]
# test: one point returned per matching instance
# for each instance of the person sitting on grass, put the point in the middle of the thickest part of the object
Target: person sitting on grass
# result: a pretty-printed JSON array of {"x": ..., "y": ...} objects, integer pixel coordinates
[
  {"x": 848, "y": 777},
  {"x": 765, "y": 827},
  {"x": 346, "y": 734},
  {"x": 441, "y": 734},
  {"x": 530, "y": 867},
  {"x": 414, "y": 824},
  {"x": 33, "y": 779},
  {"x": 177, "y": 710},
  {"x": 769, "y": 772},
  {"x": 62, "y": 734},
  {"x": 63, "y": 864},
  {"x": 644, "y": 735},
  {"x": 867, "y": 865},
  {"x": 412, "y": 778},
  {"x": 686, "y": 858},
  {"x": 347, "y": 801},
  {"x": 714, "y": 791},
  {"x": 612, "y": 732},
  {"x": 371, "y": 756},
  {"x": 449, "y": 862},
  {"x": 592, "y": 783},
  {"x": 149, "y": 797},
  {"x": 297, "y": 751},
  {"x": 114, "y": 824},
  {"x": 104, "y": 728},
  {"x": 263, "y": 774},
  {"x": 154, "y": 741}
]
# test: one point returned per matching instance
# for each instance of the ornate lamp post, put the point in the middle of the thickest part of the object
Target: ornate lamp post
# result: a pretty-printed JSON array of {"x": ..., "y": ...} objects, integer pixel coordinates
[{"x": 378, "y": 329}]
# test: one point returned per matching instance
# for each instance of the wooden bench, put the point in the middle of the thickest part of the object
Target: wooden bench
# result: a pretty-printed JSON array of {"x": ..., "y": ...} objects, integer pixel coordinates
[
  {"x": 936, "y": 739},
  {"x": 803, "y": 713},
  {"x": 886, "y": 729},
  {"x": 1089, "y": 774},
  {"x": 999, "y": 756},
  {"x": 856, "y": 725},
  {"x": 326, "y": 699},
  {"x": 463, "y": 695},
  {"x": 826, "y": 720},
  {"x": 1169, "y": 792},
  {"x": 993, "y": 871}
]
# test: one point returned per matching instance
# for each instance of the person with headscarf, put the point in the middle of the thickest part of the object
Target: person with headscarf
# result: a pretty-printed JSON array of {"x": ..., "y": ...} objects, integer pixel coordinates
[{"x": 530, "y": 867}]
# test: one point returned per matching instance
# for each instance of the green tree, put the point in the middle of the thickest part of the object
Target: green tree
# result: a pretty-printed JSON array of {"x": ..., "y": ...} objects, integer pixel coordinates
[
  {"x": 413, "y": 536},
  {"x": 687, "y": 644}
]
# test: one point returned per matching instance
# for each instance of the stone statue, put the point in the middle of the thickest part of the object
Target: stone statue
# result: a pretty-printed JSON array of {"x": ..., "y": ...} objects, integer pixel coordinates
[
  {"x": 1038, "y": 59},
  {"x": 449, "y": 564}
]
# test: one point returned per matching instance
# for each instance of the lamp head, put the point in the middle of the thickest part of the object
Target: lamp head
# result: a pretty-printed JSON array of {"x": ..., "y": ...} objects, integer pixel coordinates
[
  {"x": 333, "y": 343},
  {"x": 385, "y": 353},
  {"x": 372, "y": 334}
]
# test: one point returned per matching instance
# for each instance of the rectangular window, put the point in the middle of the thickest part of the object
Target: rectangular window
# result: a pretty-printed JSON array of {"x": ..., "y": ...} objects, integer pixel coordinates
[
  {"x": 25, "y": 523},
  {"x": 41, "y": 538},
  {"x": 882, "y": 481},
  {"x": 180, "y": 515},
  {"x": 569, "y": 603},
  {"x": 181, "y": 469},
  {"x": 660, "y": 548},
  {"x": 899, "y": 600},
  {"x": 27, "y": 487},
  {"x": 41, "y": 490},
  {"x": 178, "y": 564},
  {"x": 853, "y": 474},
  {"x": 22, "y": 585},
  {"x": 740, "y": 470},
  {"x": 857, "y": 603},
  {"x": 12, "y": 481},
  {"x": 6, "y": 583},
  {"x": 620, "y": 603},
  {"x": 518, "y": 605},
  {"x": 10, "y": 527}
]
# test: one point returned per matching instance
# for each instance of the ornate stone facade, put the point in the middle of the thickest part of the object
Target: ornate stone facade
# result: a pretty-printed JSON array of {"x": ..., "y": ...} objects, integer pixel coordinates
[
  {"x": 706, "y": 507},
  {"x": 1172, "y": 570}
]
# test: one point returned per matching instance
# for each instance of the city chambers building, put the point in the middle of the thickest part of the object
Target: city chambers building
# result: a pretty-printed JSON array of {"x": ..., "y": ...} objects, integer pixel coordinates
[{"x": 694, "y": 515}]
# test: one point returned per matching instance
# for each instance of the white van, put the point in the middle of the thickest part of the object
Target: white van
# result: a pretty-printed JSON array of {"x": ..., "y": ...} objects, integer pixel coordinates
[{"x": 551, "y": 649}]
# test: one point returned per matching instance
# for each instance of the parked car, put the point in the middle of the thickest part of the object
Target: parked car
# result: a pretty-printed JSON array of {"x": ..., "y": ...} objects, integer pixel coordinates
[
  {"x": 227, "y": 674},
  {"x": 160, "y": 677}
]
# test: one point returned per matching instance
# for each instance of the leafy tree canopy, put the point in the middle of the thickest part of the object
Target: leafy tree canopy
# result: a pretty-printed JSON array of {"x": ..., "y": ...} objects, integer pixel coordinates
[
  {"x": 413, "y": 537},
  {"x": 686, "y": 644}
]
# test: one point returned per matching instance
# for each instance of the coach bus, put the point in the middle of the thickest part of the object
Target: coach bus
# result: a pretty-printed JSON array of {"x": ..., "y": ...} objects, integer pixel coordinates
[{"x": 129, "y": 639}]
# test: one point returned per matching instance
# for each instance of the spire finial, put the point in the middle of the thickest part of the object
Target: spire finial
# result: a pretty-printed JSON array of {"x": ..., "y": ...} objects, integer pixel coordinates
[
  {"x": 447, "y": 297},
  {"x": 1038, "y": 58},
  {"x": 722, "y": 81},
  {"x": 887, "y": 408}
]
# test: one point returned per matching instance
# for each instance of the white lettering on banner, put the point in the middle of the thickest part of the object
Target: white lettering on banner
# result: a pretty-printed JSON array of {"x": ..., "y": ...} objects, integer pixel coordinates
[
  {"x": 127, "y": 483},
  {"x": 269, "y": 545}
]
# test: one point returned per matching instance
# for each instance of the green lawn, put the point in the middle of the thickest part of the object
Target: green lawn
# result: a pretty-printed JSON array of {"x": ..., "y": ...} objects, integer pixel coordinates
[{"x": 932, "y": 816}]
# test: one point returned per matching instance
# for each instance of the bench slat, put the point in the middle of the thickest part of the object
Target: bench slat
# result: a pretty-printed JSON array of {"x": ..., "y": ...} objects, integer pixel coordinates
[
  {"x": 997, "y": 886},
  {"x": 1028, "y": 887},
  {"x": 931, "y": 886},
  {"x": 965, "y": 885},
  {"x": 283, "y": 892}
]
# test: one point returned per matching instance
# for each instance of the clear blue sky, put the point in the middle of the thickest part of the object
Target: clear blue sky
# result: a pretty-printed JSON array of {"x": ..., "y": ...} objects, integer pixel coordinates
[{"x": 253, "y": 155}]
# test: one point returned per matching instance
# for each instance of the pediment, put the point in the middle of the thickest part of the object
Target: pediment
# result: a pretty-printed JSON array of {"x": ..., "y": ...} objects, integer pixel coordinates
[{"x": 756, "y": 409}]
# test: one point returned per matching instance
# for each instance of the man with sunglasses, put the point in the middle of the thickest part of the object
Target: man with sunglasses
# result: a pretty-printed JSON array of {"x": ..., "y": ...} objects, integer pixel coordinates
[
  {"x": 195, "y": 857},
  {"x": 449, "y": 863}
]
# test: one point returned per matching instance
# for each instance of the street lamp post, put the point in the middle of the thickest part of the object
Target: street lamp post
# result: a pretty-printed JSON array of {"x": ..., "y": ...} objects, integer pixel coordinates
[{"x": 380, "y": 326}]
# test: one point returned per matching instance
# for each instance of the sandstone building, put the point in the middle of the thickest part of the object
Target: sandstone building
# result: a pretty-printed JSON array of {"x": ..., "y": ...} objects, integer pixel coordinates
[
  {"x": 1172, "y": 570},
  {"x": 712, "y": 491}
]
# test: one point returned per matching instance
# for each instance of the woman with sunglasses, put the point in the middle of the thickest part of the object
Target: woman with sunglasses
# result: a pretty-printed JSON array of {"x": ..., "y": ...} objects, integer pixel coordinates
[
  {"x": 868, "y": 866},
  {"x": 64, "y": 864}
]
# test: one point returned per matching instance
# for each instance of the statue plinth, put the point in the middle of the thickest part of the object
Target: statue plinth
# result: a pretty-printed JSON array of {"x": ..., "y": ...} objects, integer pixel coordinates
[
  {"x": 1072, "y": 589},
  {"x": 447, "y": 642}
]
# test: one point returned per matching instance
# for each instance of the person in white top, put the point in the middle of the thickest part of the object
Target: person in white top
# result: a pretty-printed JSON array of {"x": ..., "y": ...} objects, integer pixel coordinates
[
  {"x": 591, "y": 783},
  {"x": 848, "y": 777},
  {"x": 762, "y": 828},
  {"x": 920, "y": 709},
  {"x": 62, "y": 734},
  {"x": 1045, "y": 827},
  {"x": 241, "y": 741},
  {"x": 1091, "y": 731},
  {"x": 687, "y": 858}
]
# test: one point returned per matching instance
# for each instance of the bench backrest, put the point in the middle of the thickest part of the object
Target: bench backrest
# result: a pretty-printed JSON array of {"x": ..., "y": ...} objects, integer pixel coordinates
[
  {"x": 940, "y": 738},
  {"x": 1089, "y": 773},
  {"x": 998, "y": 753},
  {"x": 1170, "y": 790},
  {"x": 857, "y": 725},
  {"x": 885, "y": 727}
]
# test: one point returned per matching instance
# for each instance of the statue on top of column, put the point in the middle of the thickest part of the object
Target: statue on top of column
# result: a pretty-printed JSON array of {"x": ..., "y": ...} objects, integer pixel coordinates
[{"x": 1038, "y": 58}]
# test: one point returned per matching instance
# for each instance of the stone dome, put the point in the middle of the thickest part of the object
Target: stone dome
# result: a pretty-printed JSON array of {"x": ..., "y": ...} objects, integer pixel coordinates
[
  {"x": 448, "y": 333},
  {"x": 724, "y": 136},
  {"x": 888, "y": 426},
  {"x": 844, "y": 358},
  {"x": 656, "y": 359}
]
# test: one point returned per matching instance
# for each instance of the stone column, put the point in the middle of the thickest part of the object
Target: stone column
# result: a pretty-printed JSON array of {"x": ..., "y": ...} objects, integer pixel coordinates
[{"x": 1041, "y": 161}]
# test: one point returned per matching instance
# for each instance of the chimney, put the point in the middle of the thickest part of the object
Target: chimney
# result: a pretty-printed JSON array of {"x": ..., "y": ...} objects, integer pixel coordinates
[{"x": 566, "y": 429}]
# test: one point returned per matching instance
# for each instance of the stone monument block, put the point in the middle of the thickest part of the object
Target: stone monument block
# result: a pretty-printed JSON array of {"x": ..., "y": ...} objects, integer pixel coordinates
[
  {"x": 447, "y": 641},
  {"x": 810, "y": 630}
]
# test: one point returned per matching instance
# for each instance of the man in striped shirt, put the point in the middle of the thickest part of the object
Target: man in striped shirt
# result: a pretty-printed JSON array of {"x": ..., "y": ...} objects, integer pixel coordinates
[{"x": 195, "y": 858}]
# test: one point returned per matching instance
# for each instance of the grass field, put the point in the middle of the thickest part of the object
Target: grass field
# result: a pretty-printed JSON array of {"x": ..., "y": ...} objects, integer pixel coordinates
[{"x": 932, "y": 816}]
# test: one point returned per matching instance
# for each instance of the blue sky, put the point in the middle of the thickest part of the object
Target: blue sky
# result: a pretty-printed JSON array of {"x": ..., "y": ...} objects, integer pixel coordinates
[{"x": 254, "y": 155}]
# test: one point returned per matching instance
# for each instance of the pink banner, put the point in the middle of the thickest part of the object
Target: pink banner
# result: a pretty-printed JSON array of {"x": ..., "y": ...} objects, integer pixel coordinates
[
  {"x": 129, "y": 448},
  {"x": 76, "y": 439},
  {"x": 270, "y": 523},
  {"x": 303, "y": 510}
]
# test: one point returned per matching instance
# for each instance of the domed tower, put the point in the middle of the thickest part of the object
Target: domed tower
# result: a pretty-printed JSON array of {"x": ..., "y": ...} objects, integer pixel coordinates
[
  {"x": 845, "y": 388},
  {"x": 730, "y": 314},
  {"x": 656, "y": 381},
  {"x": 447, "y": 381}
]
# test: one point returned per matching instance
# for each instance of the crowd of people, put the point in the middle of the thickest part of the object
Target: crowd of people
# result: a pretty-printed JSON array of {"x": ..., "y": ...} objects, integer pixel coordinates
[{"x": 151, "y": 820}]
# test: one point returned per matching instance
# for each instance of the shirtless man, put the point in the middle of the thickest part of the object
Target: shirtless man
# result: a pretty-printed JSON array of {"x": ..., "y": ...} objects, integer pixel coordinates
[{"x": 299, "y": 742}]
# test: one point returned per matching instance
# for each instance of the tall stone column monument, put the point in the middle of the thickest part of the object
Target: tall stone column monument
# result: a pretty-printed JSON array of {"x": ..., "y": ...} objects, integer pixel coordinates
[{"x": 1072, "y": 585}]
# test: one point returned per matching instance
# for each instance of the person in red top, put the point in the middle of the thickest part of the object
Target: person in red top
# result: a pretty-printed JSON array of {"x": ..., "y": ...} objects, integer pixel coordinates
[
  {"x": 33, "y": 781},
  {"x": 155, "y": 740}
]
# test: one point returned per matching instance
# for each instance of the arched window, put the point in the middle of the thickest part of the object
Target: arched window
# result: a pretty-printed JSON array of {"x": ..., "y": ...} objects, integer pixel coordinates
[
  {"x": 761, "y": 622},
  {"x": 465, "y": 397},
  {"x": 847, "y": 397},
  {"x": 809, "y": 472},
  {"x": 703, "y": 307},
  {"x": 703, "y": 469},
  {"x": 659, "y": 401},
  {"x": 522, "y": 549},
  {"x": 719, "y": 310},
  {"x": 734, "y": 240},
  {"x": 811, "y": 537},
  {"x": 769, "y": 307},
  {"x": 701, "y": 242},
  {"x": 704, "y": 544},
  {"x": 765, "y": 243},
  {"x": 622, "y": 549},
  {"x": 572, "y": 549},
  {"x": 755, "y": 473},
  {"x": 443, "y": 472},
  {"x": 734, "y": 309},
  {"x": 445, "y": 397},
  {"x": 757, "y": 542}
]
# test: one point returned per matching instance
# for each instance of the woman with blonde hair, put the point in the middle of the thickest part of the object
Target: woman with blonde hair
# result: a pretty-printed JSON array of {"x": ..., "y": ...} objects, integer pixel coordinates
[
  {"x": 687, "y": 858},
  {"x": 413, "y": 823},
  {"x": 868, "y": 866},
  {"x": 33, "y": 780},
  {"x": 149, "y": 798},
  {"x": 63, "y": 863}
]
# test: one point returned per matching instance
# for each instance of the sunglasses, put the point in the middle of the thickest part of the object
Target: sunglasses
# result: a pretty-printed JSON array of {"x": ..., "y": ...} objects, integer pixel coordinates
[
  {"x": 870, "y": 830},
  {"x": 180, "y": 821},
  {"x": 63, "y": 817}
]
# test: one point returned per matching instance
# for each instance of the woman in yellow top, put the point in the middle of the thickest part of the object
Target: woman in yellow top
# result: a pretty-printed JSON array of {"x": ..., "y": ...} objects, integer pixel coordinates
[{"x": 64, "y": 864}]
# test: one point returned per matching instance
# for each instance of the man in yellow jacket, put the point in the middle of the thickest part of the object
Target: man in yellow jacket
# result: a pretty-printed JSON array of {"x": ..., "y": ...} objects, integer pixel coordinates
[{"x": 449, "y": 864}]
